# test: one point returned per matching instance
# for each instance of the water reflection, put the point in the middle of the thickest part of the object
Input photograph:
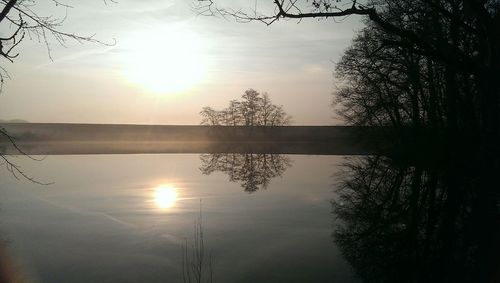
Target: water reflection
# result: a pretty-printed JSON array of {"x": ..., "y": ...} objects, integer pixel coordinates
[
  {"x": 109, "y": 227},
  {"x": 165, "y": 196},
  {"x": 252, "y": 171},
  {"x": 401, "y": 221}
]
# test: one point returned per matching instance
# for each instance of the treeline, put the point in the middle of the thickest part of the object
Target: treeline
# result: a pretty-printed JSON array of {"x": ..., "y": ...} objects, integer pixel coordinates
[{"x": 255, "y": 109}]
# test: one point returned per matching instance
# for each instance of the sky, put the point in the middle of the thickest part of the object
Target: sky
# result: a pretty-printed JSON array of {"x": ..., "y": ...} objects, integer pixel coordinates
[{"x": 168, "y": 63}]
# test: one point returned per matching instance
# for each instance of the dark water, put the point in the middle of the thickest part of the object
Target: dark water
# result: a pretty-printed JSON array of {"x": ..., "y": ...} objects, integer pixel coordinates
[{"x": 126, "y": 218}]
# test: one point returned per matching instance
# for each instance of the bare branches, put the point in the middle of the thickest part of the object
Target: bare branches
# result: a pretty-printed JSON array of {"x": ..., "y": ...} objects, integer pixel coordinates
[
  {"x": 209, "y": 8},
  {"x": 17, "y": 172},
  {"x": 12, "y": 167},
  {"x": 290, "y": 9},
  {"x": 377, "y": 12},
  {"x": 327, "y": 11},
  {"x": 36, "y": 26},
  {"x": 6, "y": 9},
  {"x": 254, "y": 110},
  {"x": 15, "y": 41}
]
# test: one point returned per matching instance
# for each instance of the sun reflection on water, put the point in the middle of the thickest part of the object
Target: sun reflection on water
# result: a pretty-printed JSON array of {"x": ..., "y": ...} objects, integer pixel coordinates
[{"x": 165, "y": 196}]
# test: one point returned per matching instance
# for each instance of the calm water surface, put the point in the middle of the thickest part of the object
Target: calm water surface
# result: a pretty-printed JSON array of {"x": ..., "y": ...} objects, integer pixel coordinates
[{"x": 126, "y": 218}]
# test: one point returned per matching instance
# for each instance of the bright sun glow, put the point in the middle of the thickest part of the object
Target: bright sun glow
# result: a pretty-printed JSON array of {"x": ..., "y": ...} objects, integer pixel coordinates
[
  {"x": 164, "y": 60},
  {"x": 165, "y": 196}
]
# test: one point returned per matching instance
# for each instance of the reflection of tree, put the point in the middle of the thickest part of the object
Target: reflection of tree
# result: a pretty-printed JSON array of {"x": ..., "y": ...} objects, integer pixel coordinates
[
  {"x": 402, "y": 223},
  {"x": 252, "y": 171}
]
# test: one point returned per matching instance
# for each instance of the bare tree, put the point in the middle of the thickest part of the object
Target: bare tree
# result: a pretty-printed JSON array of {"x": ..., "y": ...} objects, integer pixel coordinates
[
  {"x": 253, "y": 110},
  {"x": 394, "y": 86},
  {"x": 267, "y": 109},
  {"x": 210, "y": 116},
  {"x": 234, "y": 116},
  {"x": 251, "y": 107}
]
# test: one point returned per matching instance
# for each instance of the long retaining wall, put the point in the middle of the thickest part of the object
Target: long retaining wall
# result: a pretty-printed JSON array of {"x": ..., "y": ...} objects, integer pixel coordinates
[{"x": 41, "y": 138}]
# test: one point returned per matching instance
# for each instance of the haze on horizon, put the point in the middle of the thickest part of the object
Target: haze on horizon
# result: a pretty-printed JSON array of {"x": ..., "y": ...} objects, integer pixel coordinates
[{"x": 168, "y": 63}]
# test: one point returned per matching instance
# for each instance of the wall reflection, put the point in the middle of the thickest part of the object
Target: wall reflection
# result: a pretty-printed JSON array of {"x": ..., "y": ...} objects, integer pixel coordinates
[
  {"x": 407, "y": 221},
  {"x": 251, "y": 171}
]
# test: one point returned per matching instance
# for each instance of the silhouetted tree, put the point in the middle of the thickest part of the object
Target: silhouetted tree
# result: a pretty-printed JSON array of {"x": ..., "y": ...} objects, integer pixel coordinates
[
  {"x": 254, "y": 109},
  {"x": 251, "y": 107},
  {"x": 210, "y": 116},
  {"x": 232, "y": 114},
  {"x": 398, "y": 86},
  {"x": 252, "y": 171}
]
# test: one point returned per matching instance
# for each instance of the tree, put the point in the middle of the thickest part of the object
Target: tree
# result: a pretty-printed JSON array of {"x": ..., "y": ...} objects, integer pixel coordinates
[
  {"x": 255, "y": 109},
  {"x": 210, "y": 116},
  {"x": 251, "y": 107},
  {"x": 233, "y": 116},
  {"x": 399, "y": 88}
]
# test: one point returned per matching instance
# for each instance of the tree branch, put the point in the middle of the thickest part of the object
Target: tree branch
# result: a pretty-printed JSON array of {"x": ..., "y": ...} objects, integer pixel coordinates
[{"x": 6, "y": 9}]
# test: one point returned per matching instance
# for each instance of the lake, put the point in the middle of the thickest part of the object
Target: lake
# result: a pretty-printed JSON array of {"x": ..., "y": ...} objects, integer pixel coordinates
[{"x": 136, "y": 218}]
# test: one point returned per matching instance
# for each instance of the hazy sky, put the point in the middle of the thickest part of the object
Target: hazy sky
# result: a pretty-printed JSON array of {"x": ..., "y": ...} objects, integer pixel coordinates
[{"x": 168, "y": 63}]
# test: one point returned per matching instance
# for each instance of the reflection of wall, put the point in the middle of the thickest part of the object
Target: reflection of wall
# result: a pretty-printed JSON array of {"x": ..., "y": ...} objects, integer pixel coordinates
[{"x": 252, "y": 171}]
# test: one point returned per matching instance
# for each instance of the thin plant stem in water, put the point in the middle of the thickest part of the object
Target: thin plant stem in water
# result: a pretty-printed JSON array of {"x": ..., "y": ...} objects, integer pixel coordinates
[{"x": 196, "y": 267}]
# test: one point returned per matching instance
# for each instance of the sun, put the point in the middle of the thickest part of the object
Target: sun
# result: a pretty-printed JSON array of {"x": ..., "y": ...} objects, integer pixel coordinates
[
  {"x": 164, "y": 61},
  {"x": 165, "y": 196}
]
